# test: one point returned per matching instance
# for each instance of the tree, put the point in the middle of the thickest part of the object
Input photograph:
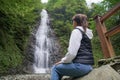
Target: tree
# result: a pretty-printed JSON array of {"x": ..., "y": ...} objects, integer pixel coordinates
[
  {"x": 17, "y": 18},
  {"x": 61, "y": 13}
]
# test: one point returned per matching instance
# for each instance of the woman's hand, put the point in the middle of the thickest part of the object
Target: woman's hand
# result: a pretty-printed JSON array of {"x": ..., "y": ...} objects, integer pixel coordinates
[{"x": 58, "y": 63}]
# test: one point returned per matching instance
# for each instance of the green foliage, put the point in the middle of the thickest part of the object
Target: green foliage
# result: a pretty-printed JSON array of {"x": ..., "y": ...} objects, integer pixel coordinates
[
  {"x": 10, "y": 55},
  {"x": 97, "y": 51},
  {"x": 102, "y": 8},
  {"x": 17, "y": 19},
  {"x": 61, "y": 13},
  {"x": 112, "y": 22}
]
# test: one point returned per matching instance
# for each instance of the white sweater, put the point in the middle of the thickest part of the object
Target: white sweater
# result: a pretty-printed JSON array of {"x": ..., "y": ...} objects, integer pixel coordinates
[{"x": 74, "y": 44}]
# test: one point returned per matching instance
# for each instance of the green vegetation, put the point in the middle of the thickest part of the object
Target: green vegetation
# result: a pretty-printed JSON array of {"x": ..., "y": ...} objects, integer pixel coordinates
[
  {"x": 114, "y": 20},
  {"x": 61, "y": 13},
  {"x": 17, "y": 19}
]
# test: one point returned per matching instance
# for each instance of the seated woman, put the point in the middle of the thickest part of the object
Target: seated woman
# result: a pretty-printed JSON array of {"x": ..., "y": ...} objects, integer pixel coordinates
[{"x": 79, "y": 58}]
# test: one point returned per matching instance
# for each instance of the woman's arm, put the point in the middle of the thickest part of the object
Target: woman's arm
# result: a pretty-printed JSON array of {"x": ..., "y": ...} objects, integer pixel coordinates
[{"x": 74, "y": 44}]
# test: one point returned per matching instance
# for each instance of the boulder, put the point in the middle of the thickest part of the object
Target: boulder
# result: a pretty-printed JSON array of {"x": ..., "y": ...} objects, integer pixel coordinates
[{"x": 102, "y": 73}]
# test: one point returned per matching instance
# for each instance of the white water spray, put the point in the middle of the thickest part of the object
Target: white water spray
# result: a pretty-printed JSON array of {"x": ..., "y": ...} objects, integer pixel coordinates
[{"x": 43, "y": 44}]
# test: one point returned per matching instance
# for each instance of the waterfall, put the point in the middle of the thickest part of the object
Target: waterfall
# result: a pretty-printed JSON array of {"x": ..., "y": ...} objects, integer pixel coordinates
[
  {"x": 43, "y": 49},
  {"x": 43, "y": 45}
]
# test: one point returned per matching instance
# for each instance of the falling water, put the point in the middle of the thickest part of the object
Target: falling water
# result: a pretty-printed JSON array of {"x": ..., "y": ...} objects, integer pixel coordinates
[{"x": 43, "y": 45}]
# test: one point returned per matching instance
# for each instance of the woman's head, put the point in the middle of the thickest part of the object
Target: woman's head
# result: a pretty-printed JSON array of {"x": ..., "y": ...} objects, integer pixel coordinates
[{"x": 80, "y": 20}]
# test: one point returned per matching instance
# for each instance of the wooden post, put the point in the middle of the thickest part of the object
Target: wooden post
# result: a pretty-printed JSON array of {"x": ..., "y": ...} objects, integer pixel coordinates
[
  {"x": 104, "y": 34},
  {"x": 105, "y": 41}
]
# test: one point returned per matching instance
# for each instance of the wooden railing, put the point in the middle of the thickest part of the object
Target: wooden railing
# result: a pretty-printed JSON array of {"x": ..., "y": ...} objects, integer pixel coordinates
[{"x": 104, "y": 35}]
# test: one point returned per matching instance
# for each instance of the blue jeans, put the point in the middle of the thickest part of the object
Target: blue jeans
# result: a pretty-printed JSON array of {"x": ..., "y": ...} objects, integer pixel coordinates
[{"x": 69, "y": 69}]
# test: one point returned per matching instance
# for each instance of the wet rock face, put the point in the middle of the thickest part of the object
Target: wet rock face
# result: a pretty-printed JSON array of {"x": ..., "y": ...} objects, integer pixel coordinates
[
  {"x": 55, "y": 51},
  {"x": 29, "y": 53}
]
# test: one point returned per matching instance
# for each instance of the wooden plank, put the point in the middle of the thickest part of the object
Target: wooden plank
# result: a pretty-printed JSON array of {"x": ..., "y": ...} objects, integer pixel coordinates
[
  {"x": 113, "y": 31},
  {"x": 105, "y": 42},
  {"x": 110, "y": 12}
]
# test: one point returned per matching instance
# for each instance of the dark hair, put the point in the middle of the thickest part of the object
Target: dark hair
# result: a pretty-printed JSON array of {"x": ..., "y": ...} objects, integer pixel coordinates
[{"x": 81, "y": 20}]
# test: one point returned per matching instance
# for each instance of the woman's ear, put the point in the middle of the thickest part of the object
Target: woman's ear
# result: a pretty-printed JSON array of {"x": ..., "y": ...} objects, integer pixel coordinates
[{"x": 74, "y": 24}]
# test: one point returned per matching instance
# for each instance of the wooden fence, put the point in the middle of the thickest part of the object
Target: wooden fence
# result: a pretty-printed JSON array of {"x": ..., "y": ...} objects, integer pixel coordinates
[{"x": 105, "y": 35}]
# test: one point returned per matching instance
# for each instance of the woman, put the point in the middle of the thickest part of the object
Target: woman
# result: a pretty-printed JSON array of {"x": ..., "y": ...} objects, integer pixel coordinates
[{"x": 78, "y": 60}]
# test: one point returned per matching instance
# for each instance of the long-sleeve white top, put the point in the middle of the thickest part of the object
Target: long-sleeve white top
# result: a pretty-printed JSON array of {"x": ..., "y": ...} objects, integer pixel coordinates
[{"x": 74, "y": 44}]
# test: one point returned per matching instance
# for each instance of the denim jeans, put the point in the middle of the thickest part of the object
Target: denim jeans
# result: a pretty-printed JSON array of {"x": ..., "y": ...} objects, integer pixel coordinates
[{"x": 69, "y": 69}]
